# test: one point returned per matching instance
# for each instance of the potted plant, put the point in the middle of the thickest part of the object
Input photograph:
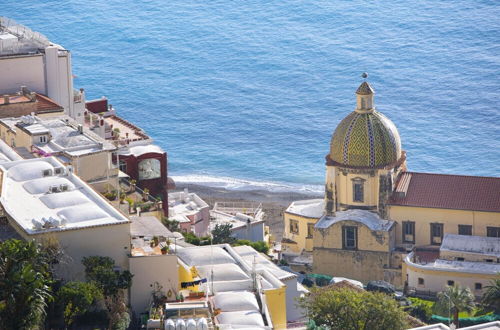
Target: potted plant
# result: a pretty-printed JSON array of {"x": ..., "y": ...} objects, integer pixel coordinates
[
  {"x": 156, "y": 240},
  {"x": 145, "y": 194},
  {"x": 164, "y": 250},
  {"x": 133, "y": 184}
]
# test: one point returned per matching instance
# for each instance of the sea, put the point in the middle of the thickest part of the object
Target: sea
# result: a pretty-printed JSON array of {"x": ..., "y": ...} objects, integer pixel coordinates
[{"x": 246, "y": 94}]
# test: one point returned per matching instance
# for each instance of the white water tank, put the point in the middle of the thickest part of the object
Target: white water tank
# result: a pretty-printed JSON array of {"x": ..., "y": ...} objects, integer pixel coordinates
[
  {"x": 180, "y": 325},
  {"x": 191, "y": 324},
  {"x": 202, "y": 324},
  {"x": 169, "y": 325}
]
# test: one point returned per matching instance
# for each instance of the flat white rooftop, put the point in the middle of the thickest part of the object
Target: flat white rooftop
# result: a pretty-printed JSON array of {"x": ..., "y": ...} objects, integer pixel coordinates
[
  {"x": 471, "y": 267},
  {"x": 471, "y": 244},
  {"x": 310, "y": 208},
  {"x": 236, "y": 221},
  {"x": 182, "y": 204},
  {"x": 42, "y": 196},
  {"x": 65, "y": 136}
]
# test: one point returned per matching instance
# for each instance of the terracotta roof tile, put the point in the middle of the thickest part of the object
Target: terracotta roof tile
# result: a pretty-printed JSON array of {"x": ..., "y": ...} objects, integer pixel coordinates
[
  {"x": 446, "y": 191},
  {"x": 97, "y": 106},
  {"x": 45, "y": 104}
]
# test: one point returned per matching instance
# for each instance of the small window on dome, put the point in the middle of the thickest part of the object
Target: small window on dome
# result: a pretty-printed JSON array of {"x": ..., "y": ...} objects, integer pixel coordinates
[{"x": 363, "y": 106}]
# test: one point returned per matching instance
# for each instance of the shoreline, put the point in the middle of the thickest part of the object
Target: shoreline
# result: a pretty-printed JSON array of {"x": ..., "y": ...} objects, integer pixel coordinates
[
  {"x": 273, "y": 203},
  {"x": 213, "y": 194}
]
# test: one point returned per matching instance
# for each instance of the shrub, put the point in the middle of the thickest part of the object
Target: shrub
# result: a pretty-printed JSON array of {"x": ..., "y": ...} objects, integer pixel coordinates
[{"x": 259, "y": 246}]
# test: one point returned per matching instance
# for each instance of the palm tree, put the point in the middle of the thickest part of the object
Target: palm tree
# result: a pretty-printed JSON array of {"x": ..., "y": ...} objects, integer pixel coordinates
[
  {"x": 25, "y": 285},
  {"x": 491, "y": 296},
  {"x": 455, "y": 299}
]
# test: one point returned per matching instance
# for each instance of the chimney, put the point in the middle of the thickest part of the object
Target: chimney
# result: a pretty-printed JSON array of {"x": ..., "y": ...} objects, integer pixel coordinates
[
  {"x": 32, "y": 96},
  {"x": 80, "y": 128},
  {"x": 6, "y": 99},
  {"x": 24, "y": 90}
]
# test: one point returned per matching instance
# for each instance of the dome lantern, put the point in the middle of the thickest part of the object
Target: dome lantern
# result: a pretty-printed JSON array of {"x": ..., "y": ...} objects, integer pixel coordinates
[
  {"x": 364, "y": 97},
  {"x": 365, "y": 138}
]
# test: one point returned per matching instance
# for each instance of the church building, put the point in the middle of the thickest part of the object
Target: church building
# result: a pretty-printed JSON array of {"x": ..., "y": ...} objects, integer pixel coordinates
[{"x": 382, "y": 222}]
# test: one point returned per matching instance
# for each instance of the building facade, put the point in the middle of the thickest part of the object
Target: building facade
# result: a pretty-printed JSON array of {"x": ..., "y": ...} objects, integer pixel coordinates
[{"x": 376, "y": 212}]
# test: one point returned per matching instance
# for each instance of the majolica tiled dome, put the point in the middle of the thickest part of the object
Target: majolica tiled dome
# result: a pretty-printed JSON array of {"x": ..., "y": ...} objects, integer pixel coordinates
[{"x": 365, "y": 138}]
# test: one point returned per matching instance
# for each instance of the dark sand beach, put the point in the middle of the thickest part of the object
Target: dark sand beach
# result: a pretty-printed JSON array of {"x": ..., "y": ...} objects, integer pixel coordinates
[{"x": 273, "y": 203}]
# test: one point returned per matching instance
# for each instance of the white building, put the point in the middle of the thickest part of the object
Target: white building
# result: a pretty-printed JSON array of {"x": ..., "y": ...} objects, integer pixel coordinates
[
  {"x": 246, "y": 220},
  {"x": 237, "y": 277},
  {"x": 28, "y": 58},
  {"x": 43, "y": 201},
  {"x": 190, "y": 211}
]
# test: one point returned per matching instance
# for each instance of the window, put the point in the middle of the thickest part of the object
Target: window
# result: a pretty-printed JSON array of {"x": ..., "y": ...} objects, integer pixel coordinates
[
  {"x": 493, "y": 231},
  {"x": 12, "y": 143},
  {"x": 349, "y": 238},
  {"x": 123, "y": 166},
  {"x": 408, "y": 232},
  {"x": 43, "y": 139},
  {"x": 421, "y": 281},
  {"x": 464, "y": 230},
  {"x": 459, "y": 259},
  {"x": 310, "y": 230},
  {"x": 436, "y": 233},
  {"x": 451, "y": 283},
  {"x": 488, "y": 260},
  {"x": 358, "y": 194},
  {"x": 294, "y": 226},
  {"x": 149, "y": 169},
  {"x": 478, "y": 286}
]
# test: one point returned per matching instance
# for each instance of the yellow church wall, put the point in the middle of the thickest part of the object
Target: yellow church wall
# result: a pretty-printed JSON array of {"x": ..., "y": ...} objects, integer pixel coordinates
[
  {"x": 363, "y": 266},
  {"x": 368, "y": 240},
  {"x": 344, "y": 185},
  {"x": 304, "y": 242},
  {"x": 371, "y": 261},
  {"x": 276, "y": 302},
  {"x": 423, "y": 217}
]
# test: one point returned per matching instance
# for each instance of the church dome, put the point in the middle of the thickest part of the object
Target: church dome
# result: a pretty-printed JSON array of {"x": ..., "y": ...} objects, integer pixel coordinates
[{"x": 365, "y": 138}]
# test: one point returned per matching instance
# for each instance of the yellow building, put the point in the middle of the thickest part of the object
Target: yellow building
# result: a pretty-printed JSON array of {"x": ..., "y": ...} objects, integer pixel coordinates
[
  {"x": 376, "y": 212},
  {"x": 300, "y": 218},
  {"x": 468, "y": 261}
]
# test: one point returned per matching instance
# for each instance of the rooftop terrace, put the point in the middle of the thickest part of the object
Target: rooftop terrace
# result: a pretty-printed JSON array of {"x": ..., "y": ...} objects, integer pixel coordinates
[{"x": 18, "y": 39}]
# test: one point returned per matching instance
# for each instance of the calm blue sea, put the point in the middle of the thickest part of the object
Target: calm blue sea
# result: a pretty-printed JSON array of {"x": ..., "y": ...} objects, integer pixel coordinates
[{"x": 251, "y": 91}]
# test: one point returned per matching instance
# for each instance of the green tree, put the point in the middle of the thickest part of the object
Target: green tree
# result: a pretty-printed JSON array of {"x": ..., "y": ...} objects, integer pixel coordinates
[
  {"x": 222, "y": 234},
  {"x": 76, "y": 299},
  {"x": 171, "y": 225},
  {"x": 491, "y": 296},
  {"x": 348, "y": 309},
  {"x": 25, "y": 284},
  {"x": 454, "y": 299},
  {"x": 112, "y": 283}
]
